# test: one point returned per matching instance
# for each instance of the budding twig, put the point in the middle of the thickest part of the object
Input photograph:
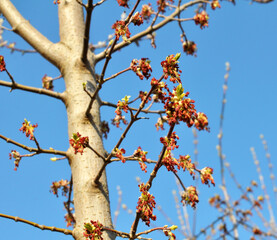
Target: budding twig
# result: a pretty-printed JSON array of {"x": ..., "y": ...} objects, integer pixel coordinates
[
  {"x": 36, "y": 150},
  {"x": 105, "y": 103},
  {"x": 133, "y": 119}
]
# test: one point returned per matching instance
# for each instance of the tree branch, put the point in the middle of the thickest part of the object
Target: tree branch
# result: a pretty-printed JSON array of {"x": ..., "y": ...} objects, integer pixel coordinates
[
  {"x": 105, "y": 103},
  {"x": 150, "y": 29},
  {"x": 89, "y": 9},
  {"x": 22, "y": 27},
  {"x": 32, "y": 89},
  {"x": 262, "y": 1},
  {"x": 133, "y": 119},
  {"x": 36, "y": 150},
  {"x": 42, "y": 227}
]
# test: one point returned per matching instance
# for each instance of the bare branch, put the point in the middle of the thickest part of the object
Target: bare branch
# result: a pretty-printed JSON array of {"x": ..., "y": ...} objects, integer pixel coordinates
[
  {"x": 262, "y": 1},
  {"x": 32, "y": 89},
  {"x": 98, "y": 3},
  {"x": 21, "y": 26},
  {"x": 105, "y": 103},
  {"x": 30, "y": 149},
  {"x": 149, "y": 30},
  {"x": 89, "y": 9},
  {"x": 42, "y": 227},
  {"x": 135, "y": 159}
]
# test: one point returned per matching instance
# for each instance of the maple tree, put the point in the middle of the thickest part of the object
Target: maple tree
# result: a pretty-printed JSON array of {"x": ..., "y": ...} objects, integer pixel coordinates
[{"x": 88, "y": 204}]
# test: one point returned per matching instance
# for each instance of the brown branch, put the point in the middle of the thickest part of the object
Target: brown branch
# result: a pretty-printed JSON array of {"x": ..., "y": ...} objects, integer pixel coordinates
[
  {"x": 135, "y": 159},
  {"x": 115, "y": 75},
  {"x": 32, "y": 89},
  {"x": 30, "y": 149},
  {"x": 42, "y": 227},
  {"x": 69, "y": 200},
  {"x": 118, "y": 233},
  {"x": 89, "y": 9},
  {"x": 262, "y": 1},
  {"x": 97, "y": 153},
  {"x": 105, "y": 103},
  {"x": 150, "y": 29}
]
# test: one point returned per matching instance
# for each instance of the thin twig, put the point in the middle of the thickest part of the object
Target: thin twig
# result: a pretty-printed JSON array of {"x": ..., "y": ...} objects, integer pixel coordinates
[
  {"x": 105, "y": 103},
  {"x": 115, "y": 75},
  {"x": 97, "y": 153},
  {"x": 69, "y": 200},
  {"x": 30, "y": 149},
  {"x": 32, "y": 89},
  {"x": 42, "y": 227}
]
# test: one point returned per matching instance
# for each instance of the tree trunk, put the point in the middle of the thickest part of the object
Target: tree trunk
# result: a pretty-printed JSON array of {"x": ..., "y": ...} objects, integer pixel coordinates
[{"x": 91, "y": 202}]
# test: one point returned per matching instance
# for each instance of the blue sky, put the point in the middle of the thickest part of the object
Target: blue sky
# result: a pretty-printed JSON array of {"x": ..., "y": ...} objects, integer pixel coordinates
[{"x": 244, "y": 35}]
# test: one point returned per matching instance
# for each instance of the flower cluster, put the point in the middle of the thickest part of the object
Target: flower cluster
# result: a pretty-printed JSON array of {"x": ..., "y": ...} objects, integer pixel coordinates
[
  {"x": 123, "y": 3},
  {"x": 69, "y": 219},
  {"x": 142, "y": 96},
  {"x": 146, "y": 11},
  {"x": 141, "y": 155},
  {"x": 47, "y": 82},
  {"x": 215, "y": 4},
  {"x": 186, "y": 164},
  {"x": 159, "y": 89},
  {"x": 189, "y": 47},
  {"x": 160, "y": 123},
  {"x": 17, "y": 157},
  {"x": 162, "y": 4},
  {"x": 201, "y": 122},
  {"x": 118, "y": 118},
  {"x": 190, "y": 197},
  {"x": 123, "y": 104},
  {"x": 145, "y": 206},
  {"x": 28, "y": 129},
  {"x": 171, "y": 68},
  {"x": 62, "y": 184},
  {"x": 202, "y": 19},
  {"x": 168, "y": 160},
  {"x": 121, "y": 30},
  {"x": 57, "y": 2},
  {"x": 2, "y": 64},
  {"x": 93, "y": 230},
  {"x": 78, "y": 143},
  {"x": 168, "y": 232},
  {"x": 180, "y": 108},
  {"x": 137, "y": 19},
  {"x": 206, "y": 176},
  {"x": 141, "y": 67},
  {"x": 170, "y": 142},
  {"x": 119, "y": 153}
]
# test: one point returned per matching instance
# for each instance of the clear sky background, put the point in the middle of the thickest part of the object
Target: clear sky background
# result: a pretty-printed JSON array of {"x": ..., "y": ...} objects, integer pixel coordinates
[{"x": 244, "y": 35}]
